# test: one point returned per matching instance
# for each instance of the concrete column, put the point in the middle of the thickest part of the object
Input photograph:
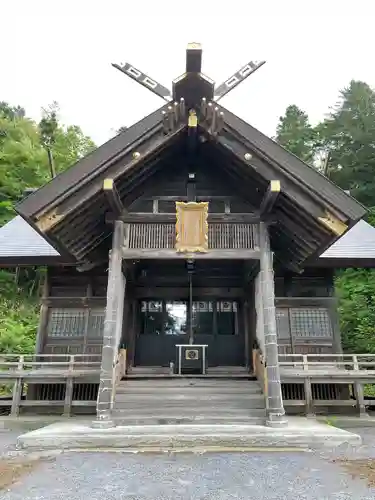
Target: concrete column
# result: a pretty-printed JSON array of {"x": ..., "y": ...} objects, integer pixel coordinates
[
  {"x": 259, "y": 313},
  {"x": 112, "y": 329},
  {"x": 276, "y": 412}
]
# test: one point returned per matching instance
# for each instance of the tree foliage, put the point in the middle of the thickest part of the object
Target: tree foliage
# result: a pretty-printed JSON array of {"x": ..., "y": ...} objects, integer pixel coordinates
[
  {"x": 348, "y": 135},
  {"x": 295, "y": 133},
  {"x": 347, "y": 138},
  {"x": 24, "y": 164}
]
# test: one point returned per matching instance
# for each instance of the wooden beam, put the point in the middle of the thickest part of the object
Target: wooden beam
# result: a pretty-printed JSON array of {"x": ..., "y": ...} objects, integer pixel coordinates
[
  {"x": 113, "y": 197},
  {"x": 148, "y": 217},
  {"x": 183, "y": 292},
  {"x": 172, "y": 254},
  {"x": 269, "y": 199}
]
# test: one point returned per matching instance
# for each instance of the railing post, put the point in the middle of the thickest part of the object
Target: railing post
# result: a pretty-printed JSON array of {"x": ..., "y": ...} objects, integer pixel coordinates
[
  {"x": 69, "y": 388},
  {"x": 309, "y": 408},
  {"x": 17, "y": 389},
  {"x": 358, "y": 390}
]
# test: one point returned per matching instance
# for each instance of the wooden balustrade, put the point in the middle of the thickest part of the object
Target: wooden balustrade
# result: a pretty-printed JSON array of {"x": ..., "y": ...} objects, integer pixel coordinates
[
  {"x": 354, "y": 370},
  {"x": 221, "y": 236},
  {"x": 33, "y": 369}
]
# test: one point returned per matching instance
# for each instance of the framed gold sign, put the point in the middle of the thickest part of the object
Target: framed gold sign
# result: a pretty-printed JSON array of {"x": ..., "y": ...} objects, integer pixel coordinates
[{"x": 191, "y": 227}]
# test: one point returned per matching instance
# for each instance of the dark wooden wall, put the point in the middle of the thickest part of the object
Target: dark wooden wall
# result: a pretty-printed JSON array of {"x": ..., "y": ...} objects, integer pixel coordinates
[
  {"x": 170, "y": 185},
  {"x": 74, "y": 303}
]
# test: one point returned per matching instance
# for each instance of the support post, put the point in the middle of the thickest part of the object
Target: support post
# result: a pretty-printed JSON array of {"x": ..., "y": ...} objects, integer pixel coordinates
[
  {"x": 275, "y": 407},
  {"x": 17, "y": 389},
  {"x": 309, "y": 402},
  {"x": 358, "y": 391},
  {"x": 69, "y": 388},
  {"x": 112, "y": 329}
]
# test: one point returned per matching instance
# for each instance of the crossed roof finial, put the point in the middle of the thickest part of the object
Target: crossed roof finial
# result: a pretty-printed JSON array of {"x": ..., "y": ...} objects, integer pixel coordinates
[{"x": 192, "y": 85}]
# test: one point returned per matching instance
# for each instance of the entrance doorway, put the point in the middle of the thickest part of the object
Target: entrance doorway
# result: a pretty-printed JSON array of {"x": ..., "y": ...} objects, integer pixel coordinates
[{"x": 165, "y": 323}]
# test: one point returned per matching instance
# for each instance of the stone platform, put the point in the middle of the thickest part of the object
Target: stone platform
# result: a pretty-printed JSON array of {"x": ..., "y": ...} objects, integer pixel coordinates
[{"x": 301, "y": 433}]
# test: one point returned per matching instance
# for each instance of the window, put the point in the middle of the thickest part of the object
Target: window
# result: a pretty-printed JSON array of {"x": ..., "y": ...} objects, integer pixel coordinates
[
  {"x": 226, "y": 318},
  {"x": 175, "y": 323},
  {"x": 303, "y": 323},
  {"x": 282, "y": 323},
  {"x": 151, "y": 317},
  {"x": 72, "y": 322},
  {"x": 310, "y": 322},
  {"x": 96, "y": 323},
  {"x": 202, "y": 317},
  {"x": 66, "y": 322}
]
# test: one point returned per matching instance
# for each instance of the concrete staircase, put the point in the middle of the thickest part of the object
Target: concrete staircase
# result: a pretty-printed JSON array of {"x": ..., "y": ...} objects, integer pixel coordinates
[{"x": 178, "y": 400}]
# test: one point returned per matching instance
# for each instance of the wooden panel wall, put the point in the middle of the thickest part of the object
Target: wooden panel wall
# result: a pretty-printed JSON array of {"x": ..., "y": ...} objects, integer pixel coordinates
[{"x": 74, "y": 303}]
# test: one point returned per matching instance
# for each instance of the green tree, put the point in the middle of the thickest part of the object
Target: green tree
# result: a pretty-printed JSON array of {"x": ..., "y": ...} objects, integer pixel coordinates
[
  {"x": 48, "y": 126},
  {"x": 348, "y": 134},
  {"x": 295, "y": 133},
  {"x": 24, "y": 164},
  {"x": 23, "y": 160}
]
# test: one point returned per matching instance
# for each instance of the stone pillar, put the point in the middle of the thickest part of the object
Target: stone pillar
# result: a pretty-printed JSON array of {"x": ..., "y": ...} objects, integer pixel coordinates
[
  {"x": 112, "y": 329},
  {"x": 276, "y": 412}
]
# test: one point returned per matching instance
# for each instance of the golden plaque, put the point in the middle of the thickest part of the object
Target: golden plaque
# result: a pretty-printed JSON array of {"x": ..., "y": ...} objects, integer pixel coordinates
[{"x": 191, "y": 227}]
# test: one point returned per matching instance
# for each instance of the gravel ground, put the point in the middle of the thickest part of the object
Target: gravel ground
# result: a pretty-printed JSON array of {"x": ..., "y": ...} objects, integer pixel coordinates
[{"x": 267, "y": 476}]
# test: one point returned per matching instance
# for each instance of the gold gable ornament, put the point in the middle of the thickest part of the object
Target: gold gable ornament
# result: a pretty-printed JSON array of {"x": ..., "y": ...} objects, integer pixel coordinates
[{"x": 191, "y": 227}]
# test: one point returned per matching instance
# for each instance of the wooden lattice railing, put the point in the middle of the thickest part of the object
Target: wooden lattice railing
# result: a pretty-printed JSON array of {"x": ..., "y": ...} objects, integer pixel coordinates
[
  {"x": 221, "y": 235},
  {"x": 348, "y": 371}
]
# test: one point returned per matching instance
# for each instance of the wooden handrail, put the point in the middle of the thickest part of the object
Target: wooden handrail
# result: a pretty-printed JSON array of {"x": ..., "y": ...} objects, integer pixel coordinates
[{"x": 260, "y": 371}]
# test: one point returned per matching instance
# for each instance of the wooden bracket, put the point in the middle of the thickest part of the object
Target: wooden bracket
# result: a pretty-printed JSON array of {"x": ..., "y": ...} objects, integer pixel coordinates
[
  {"x": 269, "y": 199},
  {"x": 49, "y": 220},
  {"x": 88, "y": 265},
  {"x": 113, "y": 197},
  {"x": 335, "y": 225}
]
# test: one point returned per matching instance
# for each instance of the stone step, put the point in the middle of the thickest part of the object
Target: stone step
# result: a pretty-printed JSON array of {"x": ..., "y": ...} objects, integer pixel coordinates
[
  {"x": 189, "y": 399},
  {"x": 225, "y": 391},
  {"x": 72, "y": 435},
  {"x": 191, "y": 420},
  {"x": 170, "y": 383},
  {"x": 174, "y": 412}
]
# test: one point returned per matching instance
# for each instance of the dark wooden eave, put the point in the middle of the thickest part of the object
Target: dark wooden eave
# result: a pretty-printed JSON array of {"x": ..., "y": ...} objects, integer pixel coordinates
[{"x": 71, "y": 210}]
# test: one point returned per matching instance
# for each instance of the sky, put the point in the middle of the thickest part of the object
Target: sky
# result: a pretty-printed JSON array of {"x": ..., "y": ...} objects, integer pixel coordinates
[{"x": 62, "y": 51}]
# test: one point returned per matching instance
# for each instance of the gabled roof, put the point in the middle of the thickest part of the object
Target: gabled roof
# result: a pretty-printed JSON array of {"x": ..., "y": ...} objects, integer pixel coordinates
[
  {"x": 311, "y": 211},
  {"x": 20, "y": 243}
]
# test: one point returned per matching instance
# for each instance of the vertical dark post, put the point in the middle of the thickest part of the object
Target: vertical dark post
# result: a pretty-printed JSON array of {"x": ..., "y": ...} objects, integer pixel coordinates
[
  {"x": 276, "y": 413},
  {"x": 112, "y": 329},
  {"x": 191, "y": 333},
  {"x": 43, "y": 318}
]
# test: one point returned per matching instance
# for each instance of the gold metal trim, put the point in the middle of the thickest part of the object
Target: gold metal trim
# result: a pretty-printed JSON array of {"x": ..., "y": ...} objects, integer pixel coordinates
[
  {"x": 191, "y": 227},
  {"x": 333, "y": 224},
  {"x": 48, "y": 221},
  {"x": 193, "y": 120}
]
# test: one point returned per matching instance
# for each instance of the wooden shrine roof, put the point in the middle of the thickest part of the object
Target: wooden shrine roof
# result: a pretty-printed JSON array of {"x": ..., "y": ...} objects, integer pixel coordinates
[
  {"x": 310, "y": 212},
  {"x": 70, "y": 210}
]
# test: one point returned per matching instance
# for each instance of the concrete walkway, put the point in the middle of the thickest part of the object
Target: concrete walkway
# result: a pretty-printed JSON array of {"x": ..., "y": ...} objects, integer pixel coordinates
[{"x": 301, "y": 433}]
